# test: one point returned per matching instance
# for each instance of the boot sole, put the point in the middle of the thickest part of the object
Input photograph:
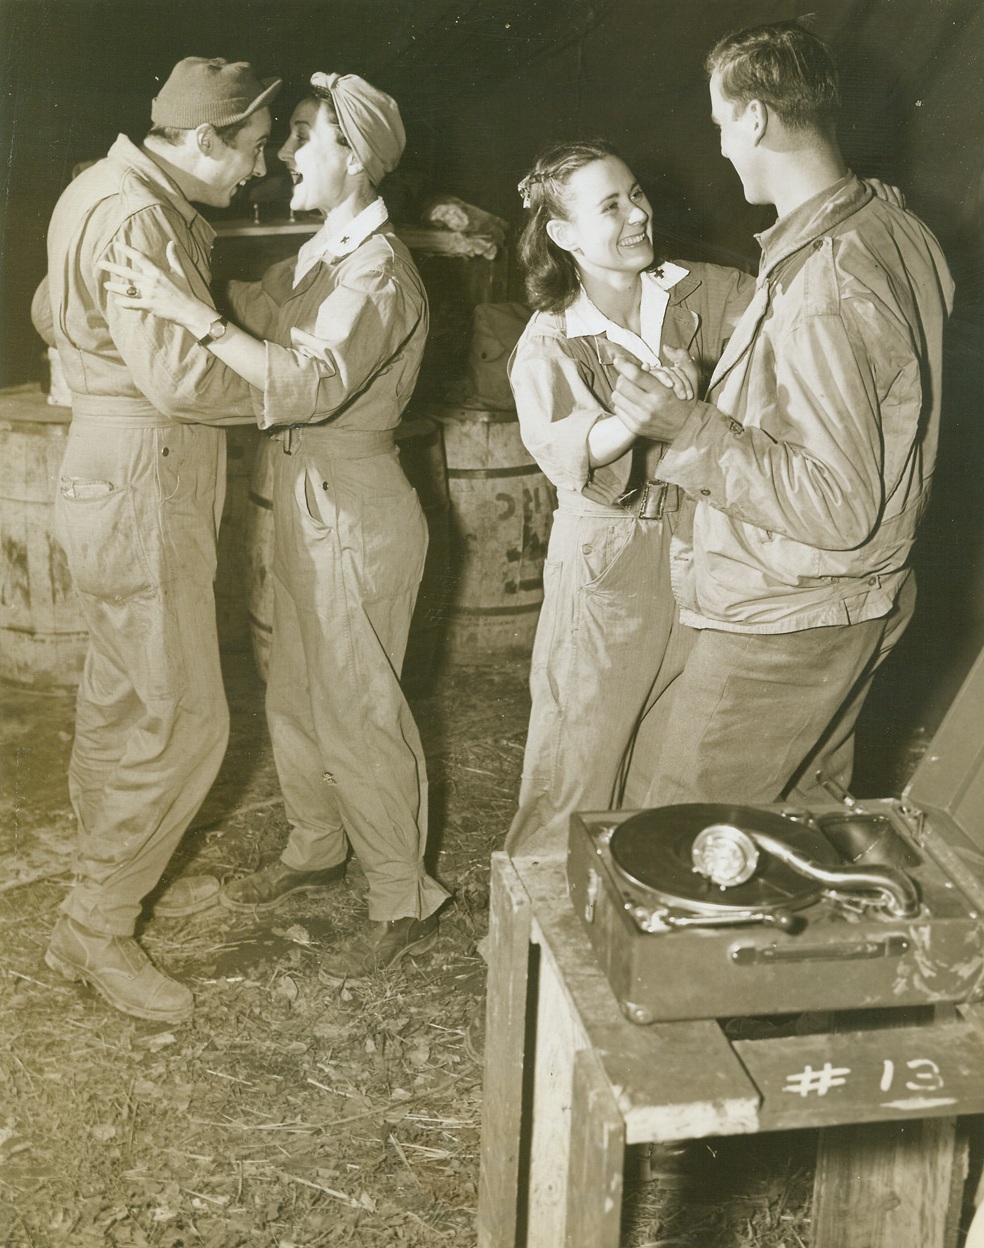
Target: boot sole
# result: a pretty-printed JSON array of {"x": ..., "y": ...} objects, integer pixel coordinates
[
  {"x": 77, "y": 975},
  {"x": 267, "y": 907},
  {"x": 419, "y": 946},
  {"x": 160, "y": 912}
]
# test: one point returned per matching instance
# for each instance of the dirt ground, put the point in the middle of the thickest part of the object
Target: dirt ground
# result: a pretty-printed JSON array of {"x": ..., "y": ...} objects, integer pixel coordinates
[{"x": 291, "y": 1112}]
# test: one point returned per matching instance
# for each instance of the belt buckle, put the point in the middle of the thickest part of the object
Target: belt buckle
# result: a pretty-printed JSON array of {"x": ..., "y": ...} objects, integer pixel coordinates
[{"x": 652, "y": 503}]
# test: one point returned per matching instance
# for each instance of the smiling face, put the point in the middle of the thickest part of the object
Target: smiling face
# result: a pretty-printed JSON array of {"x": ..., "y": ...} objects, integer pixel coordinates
[
  {"x": 319, "y": 159},
  {"x": 232, "y": 164},
  {"x": 609, "y": 223}
]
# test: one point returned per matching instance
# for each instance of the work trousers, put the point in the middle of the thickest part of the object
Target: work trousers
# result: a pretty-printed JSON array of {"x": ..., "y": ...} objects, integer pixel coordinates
[
  {"x": 756, "y": 716},
  {"x": 137, "y": 513},
  {"x": 349, "y": 545},
  {"x": 607, "y": 642}
]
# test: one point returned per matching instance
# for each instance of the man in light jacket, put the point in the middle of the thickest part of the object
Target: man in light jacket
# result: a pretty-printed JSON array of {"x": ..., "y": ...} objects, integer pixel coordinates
[{"x": 810, "y": 460}]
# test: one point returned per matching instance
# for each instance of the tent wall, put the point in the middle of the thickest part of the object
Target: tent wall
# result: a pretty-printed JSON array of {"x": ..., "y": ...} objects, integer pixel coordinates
[{"x": 484, "y": 83}]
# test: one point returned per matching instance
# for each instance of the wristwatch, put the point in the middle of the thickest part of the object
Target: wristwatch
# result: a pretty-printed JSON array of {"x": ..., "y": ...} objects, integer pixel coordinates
[{"x": 214, "y": 333}]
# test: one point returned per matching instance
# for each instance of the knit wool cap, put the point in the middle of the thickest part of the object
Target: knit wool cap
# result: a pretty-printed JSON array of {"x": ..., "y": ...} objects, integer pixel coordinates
[
  {"x": 368, "y": 118},
  {"x": 210, "y": 90}
]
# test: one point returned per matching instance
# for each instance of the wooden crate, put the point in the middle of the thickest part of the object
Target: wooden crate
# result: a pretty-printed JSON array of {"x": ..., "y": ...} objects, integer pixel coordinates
[{"x": 570, "y": 1082}]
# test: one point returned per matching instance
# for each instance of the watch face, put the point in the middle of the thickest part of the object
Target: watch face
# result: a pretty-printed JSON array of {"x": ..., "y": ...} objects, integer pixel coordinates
[{"x": 217, "y": 329}]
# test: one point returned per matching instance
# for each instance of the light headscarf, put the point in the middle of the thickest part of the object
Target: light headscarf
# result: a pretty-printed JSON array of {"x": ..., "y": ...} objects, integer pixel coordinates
[{"x": 368, "y": 118}]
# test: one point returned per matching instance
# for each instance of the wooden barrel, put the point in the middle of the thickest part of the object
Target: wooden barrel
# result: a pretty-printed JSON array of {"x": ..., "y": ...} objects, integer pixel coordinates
[
  {"x": 43, "y": 636},
  {"x": 501, "y": 513},
  {"x": 422, "y": 458}
]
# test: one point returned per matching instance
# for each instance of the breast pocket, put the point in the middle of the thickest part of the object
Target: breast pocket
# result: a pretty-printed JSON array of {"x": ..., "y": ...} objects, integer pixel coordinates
[{"x": 96, "y": 523}]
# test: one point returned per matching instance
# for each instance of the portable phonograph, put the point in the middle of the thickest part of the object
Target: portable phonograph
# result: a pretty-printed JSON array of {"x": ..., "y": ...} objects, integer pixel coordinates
[{"x": 707, "y": 911}]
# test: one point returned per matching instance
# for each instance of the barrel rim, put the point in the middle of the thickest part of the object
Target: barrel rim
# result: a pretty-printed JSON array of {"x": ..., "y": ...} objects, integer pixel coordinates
[{"x": 461, "y": 411}]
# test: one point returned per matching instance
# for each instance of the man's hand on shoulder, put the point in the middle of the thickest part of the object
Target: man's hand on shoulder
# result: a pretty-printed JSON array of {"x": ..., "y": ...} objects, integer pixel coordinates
[{"x": 656, "y": 403}]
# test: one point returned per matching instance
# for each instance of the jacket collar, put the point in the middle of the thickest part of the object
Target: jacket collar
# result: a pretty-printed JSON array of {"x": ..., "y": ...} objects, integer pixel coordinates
[
  {"x": 812, "y": 219},
  {"x": 678, "y": 281},
  {"x": 582, "y": 318},
  {"x": 328, "y": 247},
  {"x": 128, "y": 154}
]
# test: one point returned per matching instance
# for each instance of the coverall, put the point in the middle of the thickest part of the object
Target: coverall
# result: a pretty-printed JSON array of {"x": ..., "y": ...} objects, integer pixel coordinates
[
  {"x": 139, "y": 502},
  {"x": 343, "y": 351},
  {"x": 608, "y": 640}
]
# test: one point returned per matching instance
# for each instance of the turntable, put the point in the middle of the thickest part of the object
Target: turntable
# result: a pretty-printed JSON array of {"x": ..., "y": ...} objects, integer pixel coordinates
[{"x": 708, "y": 910}]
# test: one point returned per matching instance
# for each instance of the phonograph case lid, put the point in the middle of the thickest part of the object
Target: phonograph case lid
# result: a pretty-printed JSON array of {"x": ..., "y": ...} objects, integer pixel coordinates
[{"x": 949, "y": 780}]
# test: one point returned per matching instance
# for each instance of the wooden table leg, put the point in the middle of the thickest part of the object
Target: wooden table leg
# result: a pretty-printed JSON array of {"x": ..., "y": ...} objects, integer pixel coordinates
[
  {"x": 889, "y": 1185},
  {"x": 597, "y": 1158},
  {"x": 505, "y": 1039},
  {"x": 558, "y": 1037}
]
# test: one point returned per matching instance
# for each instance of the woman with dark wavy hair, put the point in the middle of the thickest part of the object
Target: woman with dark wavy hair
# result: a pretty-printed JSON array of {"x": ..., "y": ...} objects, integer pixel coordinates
[
  {"x": 609, "y": 639},
  {"x": 336, "y": 336}
]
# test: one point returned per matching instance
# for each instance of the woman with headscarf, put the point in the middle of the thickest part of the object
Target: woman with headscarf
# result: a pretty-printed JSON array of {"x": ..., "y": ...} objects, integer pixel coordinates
[{"x": 339, "y": 334}]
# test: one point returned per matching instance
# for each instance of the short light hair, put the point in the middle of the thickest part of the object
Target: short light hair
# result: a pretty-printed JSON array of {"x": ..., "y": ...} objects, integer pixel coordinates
[{"x": 786, "y": 67}]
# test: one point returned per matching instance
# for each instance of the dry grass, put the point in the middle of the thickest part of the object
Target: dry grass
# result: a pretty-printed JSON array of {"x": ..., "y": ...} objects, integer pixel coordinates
[{"x": 293, "y": 1112}]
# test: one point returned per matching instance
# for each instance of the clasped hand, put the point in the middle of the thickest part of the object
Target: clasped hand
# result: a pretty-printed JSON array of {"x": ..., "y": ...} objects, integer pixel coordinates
[{"x": 656, "y": 403}]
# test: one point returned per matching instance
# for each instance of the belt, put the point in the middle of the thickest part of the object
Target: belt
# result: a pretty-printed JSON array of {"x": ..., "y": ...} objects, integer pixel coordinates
[
  {"x": 652, "y": 501},
  {"x": 339, "y": 443},
  {"x": 118, "y": 410}
]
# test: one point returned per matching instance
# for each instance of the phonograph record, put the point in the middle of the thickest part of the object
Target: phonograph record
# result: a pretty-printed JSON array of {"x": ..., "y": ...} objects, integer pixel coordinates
[{"x": 714, "y": 910}]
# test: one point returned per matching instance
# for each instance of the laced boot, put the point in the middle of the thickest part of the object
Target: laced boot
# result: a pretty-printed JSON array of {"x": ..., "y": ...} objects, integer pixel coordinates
[
  {"x": 189, "y": 894},
  {"x": 119, "y": 970}
]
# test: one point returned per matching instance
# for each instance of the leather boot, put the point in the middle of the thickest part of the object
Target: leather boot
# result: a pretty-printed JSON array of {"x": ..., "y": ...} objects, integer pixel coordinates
[
  {"x": 119, "y": 970},
  {"x": 379, "y": 946},
  {"x": 187, "y": 895},
  {"x": 269, "y": 887}
]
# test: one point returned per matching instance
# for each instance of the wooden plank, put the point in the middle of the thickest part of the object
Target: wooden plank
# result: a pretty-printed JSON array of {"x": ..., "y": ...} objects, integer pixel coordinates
[
  {"x": 887, "y": 1185},
  {"x": 505, "y": 1038},
  {"x": 867, "y": 1076},
  {"x": 558, "y": 1038},
  {"x": 597, "y": 1158},
  {"x": 899, "y": 1184},
  {"x": 959, "y": 1170},
  {"x": 671, "y": 1081}
]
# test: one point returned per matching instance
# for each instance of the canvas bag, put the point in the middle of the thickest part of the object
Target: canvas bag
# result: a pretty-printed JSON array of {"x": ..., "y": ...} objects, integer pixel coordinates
[{"x": 496, "y": 328}]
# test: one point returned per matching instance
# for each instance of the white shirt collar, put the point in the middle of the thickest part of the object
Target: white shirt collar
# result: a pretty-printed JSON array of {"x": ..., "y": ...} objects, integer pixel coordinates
[
  {"x": 583, "y": 318},
  {"x": 325, "y": 246}
]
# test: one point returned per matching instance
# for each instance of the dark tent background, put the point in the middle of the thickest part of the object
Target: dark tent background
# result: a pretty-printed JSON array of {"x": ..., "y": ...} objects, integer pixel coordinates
[{"x": 483, "y": 84}]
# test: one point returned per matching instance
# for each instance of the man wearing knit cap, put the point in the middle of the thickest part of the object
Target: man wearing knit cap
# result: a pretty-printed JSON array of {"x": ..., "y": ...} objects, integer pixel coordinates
[
  {"x": 140, "y": 498},
  {"x": 332, "y": 342}
]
